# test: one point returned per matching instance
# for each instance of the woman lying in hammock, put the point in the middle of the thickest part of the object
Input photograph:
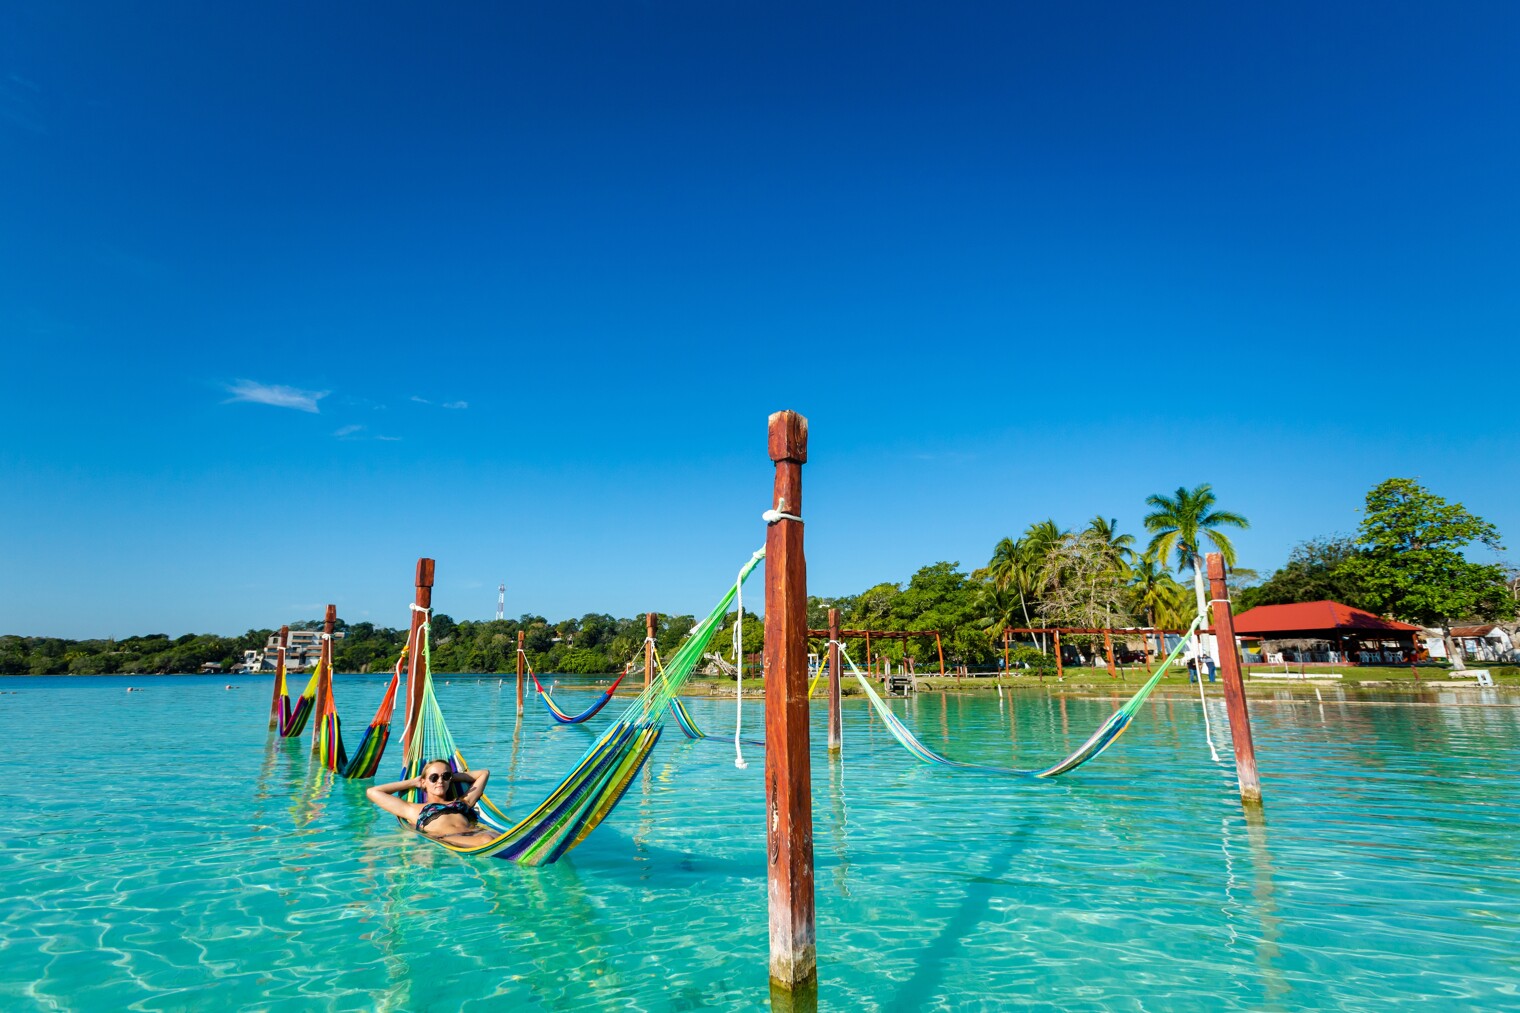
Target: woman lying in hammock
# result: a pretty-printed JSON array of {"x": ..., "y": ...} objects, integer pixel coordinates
[{"x": 437, "y": 815}]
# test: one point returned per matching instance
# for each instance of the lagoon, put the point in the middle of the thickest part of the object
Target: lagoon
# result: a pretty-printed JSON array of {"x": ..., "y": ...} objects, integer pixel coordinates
[{"x": 165, "y": 853}]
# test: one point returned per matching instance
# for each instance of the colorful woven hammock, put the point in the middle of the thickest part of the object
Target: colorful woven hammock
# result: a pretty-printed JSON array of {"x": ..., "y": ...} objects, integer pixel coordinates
[
  {"x": 585, "y": 797},
  {"x": 327, "y": 742},
  {"x": 291, "y": 719},
  {"x": 567, "y": 719},
  {"x": 1099, "y": 741}
]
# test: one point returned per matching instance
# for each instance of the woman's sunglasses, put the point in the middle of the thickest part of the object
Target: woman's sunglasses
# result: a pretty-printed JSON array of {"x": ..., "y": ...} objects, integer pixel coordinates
[{"x": 435, "y": 776}]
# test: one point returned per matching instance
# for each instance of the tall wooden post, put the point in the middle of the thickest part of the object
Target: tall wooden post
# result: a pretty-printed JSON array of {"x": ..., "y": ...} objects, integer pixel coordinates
[
  {"x": 940, "y": 648},
  {"x": 1058, "y": 654},
  {"x": 521, "y": 639},
  {"x": 1234, "y": 689},
  {"x": 1005, "y": 648},
  {"x": 416, "y": 673},
  {"x": 649, "y": 619},
  {"x": 788, "y": 778},
  {"x": 277, "y": 705},
  {"x": 324, "y": 677},
  {"x": 1108, "y": 652},
  {"x": 836, "y": 725}
]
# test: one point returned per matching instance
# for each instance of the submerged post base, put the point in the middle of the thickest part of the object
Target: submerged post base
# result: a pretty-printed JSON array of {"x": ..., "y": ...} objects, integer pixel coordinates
[{"x": 799, "y": 998}]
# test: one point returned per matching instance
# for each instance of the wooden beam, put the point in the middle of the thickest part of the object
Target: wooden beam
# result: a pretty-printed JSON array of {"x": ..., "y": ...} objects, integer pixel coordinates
[
  {"x": 324, "y": 677},
  {"x": 836, "y": 727},
  {"x": 1234, "y": 689},
  {"x": 649, "y": 620},
  {"x": 276, "y": 705},
  {"x": 521, "y": 658},
  {"x": 417, "y": 669},
  {"x": 788, "y": 776}
]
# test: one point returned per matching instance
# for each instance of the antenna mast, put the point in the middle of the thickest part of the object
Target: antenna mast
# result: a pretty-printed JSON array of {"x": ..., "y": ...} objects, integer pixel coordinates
[{"x": 501, "y": 601}]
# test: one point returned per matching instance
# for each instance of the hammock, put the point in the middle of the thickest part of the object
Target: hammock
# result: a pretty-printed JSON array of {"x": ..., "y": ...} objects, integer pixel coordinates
[
  {"x": 579, "y": 803},
  {"x": 567, "y": 719},
  {"x": 291, "y": 720},
  {"x": 328, "y": 743},
  {"x": 688, "y": 726},
  {"x": 1096, "y": 743}
]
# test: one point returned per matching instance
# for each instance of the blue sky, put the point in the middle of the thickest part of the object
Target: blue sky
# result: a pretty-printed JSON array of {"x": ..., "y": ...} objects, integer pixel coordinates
[{"x": 293, "y": 294}]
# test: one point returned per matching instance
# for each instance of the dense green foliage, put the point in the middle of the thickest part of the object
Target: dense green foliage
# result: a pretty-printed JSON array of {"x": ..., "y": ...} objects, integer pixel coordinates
[
  {"x": 1410, "y": 561},
  {"x": 1407, "y": 562}
]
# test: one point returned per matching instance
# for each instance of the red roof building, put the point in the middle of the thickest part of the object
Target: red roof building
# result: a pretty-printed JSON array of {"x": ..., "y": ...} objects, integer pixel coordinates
[{"x": 1327, "y": 631}]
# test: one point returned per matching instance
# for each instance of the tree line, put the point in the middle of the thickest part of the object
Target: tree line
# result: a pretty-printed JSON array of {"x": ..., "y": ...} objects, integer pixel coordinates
[{"x": 1407, "y": 562}]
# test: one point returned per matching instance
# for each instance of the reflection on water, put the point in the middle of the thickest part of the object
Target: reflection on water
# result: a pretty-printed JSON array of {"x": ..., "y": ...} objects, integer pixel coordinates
[{"x": 1381, "y": 869}]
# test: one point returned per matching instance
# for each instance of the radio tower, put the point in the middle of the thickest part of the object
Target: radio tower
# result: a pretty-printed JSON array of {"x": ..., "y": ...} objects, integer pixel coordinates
[{"x": 501, "y": 601}]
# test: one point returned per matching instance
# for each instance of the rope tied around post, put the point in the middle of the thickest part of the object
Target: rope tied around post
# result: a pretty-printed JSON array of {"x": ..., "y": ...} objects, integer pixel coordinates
[{"x": 779, "y": 514}]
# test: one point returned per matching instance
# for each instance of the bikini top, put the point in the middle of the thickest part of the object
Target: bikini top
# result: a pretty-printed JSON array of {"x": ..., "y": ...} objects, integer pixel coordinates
[{"x": 433, "y": 810}]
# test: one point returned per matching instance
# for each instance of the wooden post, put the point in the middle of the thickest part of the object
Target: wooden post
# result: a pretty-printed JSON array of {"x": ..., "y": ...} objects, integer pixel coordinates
[
  {"x": 1145, "y": 649},
  {"x": 836, "y": 728},
  {"x": 1058, "y": 654},
  {"x": 416, "y": 673},
  {"x": 324, "y": 668},
  {"x": 1108, "y": 652},
  {"x": 788, "y": 777},
  {"x": 1234, "y": 689},
  {"x": 521, "y": 658},
  {"x": 649, "y": 619},
  {"x": 939, "y": 649},
  {"x": 276, "y": 705}
]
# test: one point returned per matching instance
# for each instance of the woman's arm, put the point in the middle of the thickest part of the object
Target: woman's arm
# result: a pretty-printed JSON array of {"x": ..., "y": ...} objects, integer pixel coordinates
[
  {"x": 384, "y": 796},
  {"x": 476, "y": 779}
]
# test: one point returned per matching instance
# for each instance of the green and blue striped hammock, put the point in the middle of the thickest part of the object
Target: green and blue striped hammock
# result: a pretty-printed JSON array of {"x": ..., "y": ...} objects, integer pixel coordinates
[
  {"x": 1095, "y": 745},
  {"x": 593, "y": 788}
]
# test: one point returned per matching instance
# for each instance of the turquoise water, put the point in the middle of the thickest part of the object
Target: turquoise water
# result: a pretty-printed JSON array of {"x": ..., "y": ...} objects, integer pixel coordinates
[{"x": 164, "y": 854}]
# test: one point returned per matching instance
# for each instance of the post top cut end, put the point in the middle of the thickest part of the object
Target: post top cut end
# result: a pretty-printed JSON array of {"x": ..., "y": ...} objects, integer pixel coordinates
[
  {"x": 1215, "y": 564},
  {"x": 424, "y": 572},
  {"x": 788, "y": 437}
]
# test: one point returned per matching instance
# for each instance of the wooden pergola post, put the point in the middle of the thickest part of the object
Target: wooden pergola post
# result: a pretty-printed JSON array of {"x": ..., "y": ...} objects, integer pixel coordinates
[
  {"x": 324, "y": 669},
  {"x": 788, "y": 775},
  {"x": 1058, "y": 654},
  {"x": 276, "y": 708},
  {"x": 869, "y": 669},
  {"x": 1145, "y": 648},
  {"x": 836, "y": 727},
  {"x": 521, "y": 639},
  {"x": 1108, "y": 652},
  {"x": 416, "y": 673},
  {"x": 1234, "y": 689},
  {"x": 940, "y": 649},
  {"x": 649, "y": 620}
]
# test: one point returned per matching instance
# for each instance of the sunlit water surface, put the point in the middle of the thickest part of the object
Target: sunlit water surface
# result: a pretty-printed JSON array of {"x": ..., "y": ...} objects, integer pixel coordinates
[{"x": 164, "y": 853}]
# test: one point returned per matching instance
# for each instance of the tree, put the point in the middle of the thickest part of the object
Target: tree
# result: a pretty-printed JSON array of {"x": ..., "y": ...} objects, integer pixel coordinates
[
  {"x": 1084, "y": 582},
  {"x": 1182, "y": 523},
  {"x": 1412, "y": 565},
  {"x": 1156, "y": 595},
  {"x": 1315, "y": 571}
]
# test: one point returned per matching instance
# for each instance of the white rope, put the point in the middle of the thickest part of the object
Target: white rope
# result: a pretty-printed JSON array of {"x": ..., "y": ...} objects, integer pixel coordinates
[
  {"x": 779, "y": 514},
  {"x": 419, "y": 608},
  {"x": 739, "y": 671},
  {"x": 1198, "y": 663}
]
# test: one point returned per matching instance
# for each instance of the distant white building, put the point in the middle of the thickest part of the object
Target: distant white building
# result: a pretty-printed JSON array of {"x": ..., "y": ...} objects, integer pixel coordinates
[
  {"x": 302, "y": 650},
  {"x": 1484, "y": 643}
]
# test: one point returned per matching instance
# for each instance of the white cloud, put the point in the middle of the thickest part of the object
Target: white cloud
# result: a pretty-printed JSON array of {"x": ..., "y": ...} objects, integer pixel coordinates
[
  {"x": 389, "y": 439},
  {"x": 277, "y": 395},
  {"x": 456, "y": 404},
  {"x": 348, "y": 431},
  {"x": 420, "y": 400}
]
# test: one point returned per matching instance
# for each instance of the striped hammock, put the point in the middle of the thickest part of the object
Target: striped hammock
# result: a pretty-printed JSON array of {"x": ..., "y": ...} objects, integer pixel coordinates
[
  {"x": 328, "y": 740},
  {"x": 291, "y": 719},
  {"x": 1099, "y": 741},
  {"x": 586, "y": 795},
  {"x": 574, "y": 719}
]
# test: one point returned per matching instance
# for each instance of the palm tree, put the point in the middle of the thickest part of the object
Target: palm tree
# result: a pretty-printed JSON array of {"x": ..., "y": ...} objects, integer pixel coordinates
[
  {"x": 1181, "y": 523},
  {"x": 1119, "y": 548},
  {"x": 1010, "y": 571}
]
